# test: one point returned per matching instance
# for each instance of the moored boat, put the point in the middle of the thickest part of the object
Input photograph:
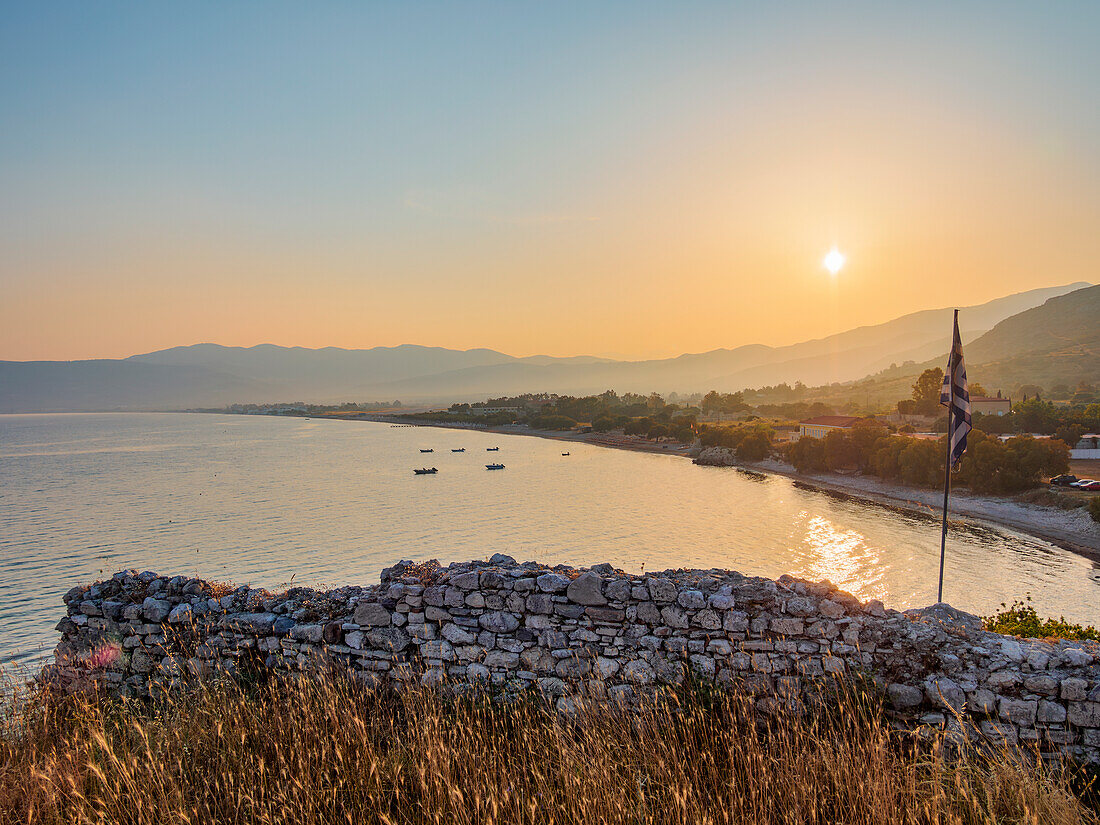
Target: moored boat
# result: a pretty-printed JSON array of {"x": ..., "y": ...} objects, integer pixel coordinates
[
  {"x": 494, "y": 466},
  {"x": 430, "y": 450},
  {"x": 565, "y": 453},
  {"x": 492, "y": 449},
  {"x": 426, "y": 471},
  {"x": 459, "y": 450}
]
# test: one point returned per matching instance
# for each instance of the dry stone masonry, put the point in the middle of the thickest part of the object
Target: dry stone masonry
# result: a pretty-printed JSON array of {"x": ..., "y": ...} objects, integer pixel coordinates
[{"x": 597, "y": 633}]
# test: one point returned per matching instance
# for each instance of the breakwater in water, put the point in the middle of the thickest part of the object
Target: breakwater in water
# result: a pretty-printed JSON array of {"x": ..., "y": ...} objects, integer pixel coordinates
[{"x": 597, "y": 633}]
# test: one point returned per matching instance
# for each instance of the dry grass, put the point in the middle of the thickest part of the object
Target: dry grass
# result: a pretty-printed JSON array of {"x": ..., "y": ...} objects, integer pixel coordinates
[{"x": 325, "y": 750}]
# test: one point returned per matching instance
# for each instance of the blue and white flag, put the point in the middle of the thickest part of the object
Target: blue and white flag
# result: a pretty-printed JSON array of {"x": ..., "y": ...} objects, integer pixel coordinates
[{"x": 956, "y": 397}]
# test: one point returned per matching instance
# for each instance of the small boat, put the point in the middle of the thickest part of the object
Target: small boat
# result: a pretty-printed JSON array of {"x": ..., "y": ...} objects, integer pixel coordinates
[
  {"x": 492, "y": 449},
  {"x": 459, "y": 450},
  {"x": 426, "y": 471},
  {"x": 565, "y": 453},
  {"x": 432, "y": 450},
  {"x": 494, "y": 466}
]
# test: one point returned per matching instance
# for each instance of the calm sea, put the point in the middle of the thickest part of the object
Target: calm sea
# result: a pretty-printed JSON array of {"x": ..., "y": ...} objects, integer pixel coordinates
[{"x": 277, "y": 500}]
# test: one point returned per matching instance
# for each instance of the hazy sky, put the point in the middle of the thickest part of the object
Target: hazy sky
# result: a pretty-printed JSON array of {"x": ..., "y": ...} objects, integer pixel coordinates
[{"x": 561, "y": 178}]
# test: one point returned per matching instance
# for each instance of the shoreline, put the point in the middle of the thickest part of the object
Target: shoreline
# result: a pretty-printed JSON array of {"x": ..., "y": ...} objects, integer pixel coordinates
[
  {"x": 1072, "y": 530},
  {"x": 1050, "y": 524}
]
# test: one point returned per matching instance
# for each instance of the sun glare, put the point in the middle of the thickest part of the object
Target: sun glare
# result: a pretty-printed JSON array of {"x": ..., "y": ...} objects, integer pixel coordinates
[{"x": 833, "y": 261}]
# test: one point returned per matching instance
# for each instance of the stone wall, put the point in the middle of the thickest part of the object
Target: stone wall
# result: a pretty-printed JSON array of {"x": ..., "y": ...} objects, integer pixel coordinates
[{"x": 597, "y": 632}]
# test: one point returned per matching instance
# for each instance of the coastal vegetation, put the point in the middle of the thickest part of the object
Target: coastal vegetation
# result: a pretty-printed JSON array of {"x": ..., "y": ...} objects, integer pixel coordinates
[
  {"x": 988, "y": 466},
  {"x": 1022, "y": 619},
  {"x": 325, "y": 749}
]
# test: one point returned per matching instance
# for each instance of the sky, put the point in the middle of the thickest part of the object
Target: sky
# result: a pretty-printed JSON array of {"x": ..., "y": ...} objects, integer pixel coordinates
[{"x": 611, "y": 178}]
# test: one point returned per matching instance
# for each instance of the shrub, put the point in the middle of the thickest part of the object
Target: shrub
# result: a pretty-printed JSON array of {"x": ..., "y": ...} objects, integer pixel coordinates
[{"x": 1021, "y": 619}]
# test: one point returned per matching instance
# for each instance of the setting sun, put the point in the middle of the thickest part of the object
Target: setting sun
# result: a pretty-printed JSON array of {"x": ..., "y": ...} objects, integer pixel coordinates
[{"x": 833, "y": 261}]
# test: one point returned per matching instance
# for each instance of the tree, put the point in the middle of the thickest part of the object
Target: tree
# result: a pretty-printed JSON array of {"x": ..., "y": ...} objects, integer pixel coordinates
[
  {"x": 712, "y": 402},
  {"x": 926, "y": 390},
  {"x": 807, "y": 455},
  {"x": 684, "y": 433},
  {"x": 603, "y": 423},
  {"x": 552, "y": 422},
  {"x": 657, "y": 432},
  {"x": 841, "y": 452},
  {"x": 755, "y": 446},
  {"x": 976, "y": 390},
  {"x": 1069, "y": 434},
  {"x": 1035, "y": 416}
]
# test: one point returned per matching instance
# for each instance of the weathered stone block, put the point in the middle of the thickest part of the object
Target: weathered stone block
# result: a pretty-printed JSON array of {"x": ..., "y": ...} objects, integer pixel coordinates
[
  {"x": 674, "y": 617},
  {"x": 691, "y": 599},
  {"x": 661, "y": 591},
  {"x": 1084, "y": 714},
  {"x": 587, "y": 589},
  {"x": 466, "y": 581},
  {"x": 788, "y": 627},
  {"x": 371, "y": 614},
  {"x": 1075, "y": 689},
  {"x": 552, "y": 582},
  {"x": 638, "y": 672},
  {"x": 1051, "y": 712},
  {"x": 155, "y": 610},
  {"x": 707, "y": 619},
  {"x": 457, "y": 635},
  {"x": 605, "y": 614},
  {"x": 498, "y": 622},
  {"x": 1042, "y": 683},
  {"x": 540, "y": 603},
  {"x": 1018, "y": 711},
  {"x": 389, "y": 639},
  {"x": 619, "y": 590},
  {"x": 180, "y": 614}
]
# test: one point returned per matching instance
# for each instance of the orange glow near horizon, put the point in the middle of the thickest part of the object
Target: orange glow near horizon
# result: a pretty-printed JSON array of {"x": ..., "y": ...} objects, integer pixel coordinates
[{"x": 546, "y": 183}]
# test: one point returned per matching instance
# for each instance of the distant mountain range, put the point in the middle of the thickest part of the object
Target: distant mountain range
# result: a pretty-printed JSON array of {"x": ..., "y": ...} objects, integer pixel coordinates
[{"x": 1009, "y": 336}]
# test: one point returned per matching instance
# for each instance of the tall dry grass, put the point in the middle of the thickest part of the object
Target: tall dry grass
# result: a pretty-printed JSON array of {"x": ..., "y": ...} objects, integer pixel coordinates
[{"x": 325, "y": 750}]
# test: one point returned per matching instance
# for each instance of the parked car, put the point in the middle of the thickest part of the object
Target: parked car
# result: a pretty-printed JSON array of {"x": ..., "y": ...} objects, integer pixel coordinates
[
  {"x": 1090, "y": 486},
  {"x": 1064, "y": 480},
  {"x": 1082, "y": 482}
]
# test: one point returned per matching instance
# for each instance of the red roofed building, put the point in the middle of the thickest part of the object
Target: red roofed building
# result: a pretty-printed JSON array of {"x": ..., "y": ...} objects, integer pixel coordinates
[{"x": 822, "y": 425}]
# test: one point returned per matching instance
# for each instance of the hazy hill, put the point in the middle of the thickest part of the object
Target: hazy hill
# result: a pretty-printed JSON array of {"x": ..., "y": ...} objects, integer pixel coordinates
[
  {"x": 1055, "y": 343},
  {"x": 64, "y": 386},
  {"x": 214, "y": 375}
]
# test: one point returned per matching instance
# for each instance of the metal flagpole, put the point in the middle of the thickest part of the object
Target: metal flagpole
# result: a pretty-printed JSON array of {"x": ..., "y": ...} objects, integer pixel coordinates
[
  {"x": 946, "y": 487},
  {"x": 947, "y": 460}
]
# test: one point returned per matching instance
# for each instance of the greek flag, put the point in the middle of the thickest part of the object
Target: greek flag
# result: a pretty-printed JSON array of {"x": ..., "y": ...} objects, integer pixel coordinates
[{"x": 956, "y": 397}]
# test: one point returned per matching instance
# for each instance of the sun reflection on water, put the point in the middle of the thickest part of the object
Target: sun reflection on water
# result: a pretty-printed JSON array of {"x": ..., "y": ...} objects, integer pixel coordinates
[{"x": 840, "y": 555}]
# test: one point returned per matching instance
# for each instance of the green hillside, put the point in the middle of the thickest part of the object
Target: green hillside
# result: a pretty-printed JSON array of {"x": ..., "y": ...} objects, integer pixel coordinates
[{"x": 1048, "y": 345}]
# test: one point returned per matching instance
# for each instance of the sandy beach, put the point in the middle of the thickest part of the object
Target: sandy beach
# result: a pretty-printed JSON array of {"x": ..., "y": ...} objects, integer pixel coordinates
[{"x": 1073, "y": 530}]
